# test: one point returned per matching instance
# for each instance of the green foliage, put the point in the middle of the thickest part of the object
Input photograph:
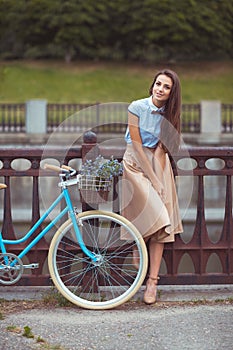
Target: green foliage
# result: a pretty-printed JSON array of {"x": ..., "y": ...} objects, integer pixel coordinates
[
  {"x": 54, "y": 297},
  {"x": 28, "y": 332},
  {"x": 13, "y": 329},
  {"x": 147, "y": 30},
  {"x": 40, "y": 340},
  {"x": 104, "y": 82}
]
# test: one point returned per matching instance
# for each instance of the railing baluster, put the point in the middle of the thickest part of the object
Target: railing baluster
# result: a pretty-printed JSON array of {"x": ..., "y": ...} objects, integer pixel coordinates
[
  {"x": 7, "y": 226},
  {"x": 227, "y": 231}
]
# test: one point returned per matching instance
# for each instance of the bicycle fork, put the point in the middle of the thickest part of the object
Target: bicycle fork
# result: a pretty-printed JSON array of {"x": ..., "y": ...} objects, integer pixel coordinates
[{"x": 73, "y": 218}]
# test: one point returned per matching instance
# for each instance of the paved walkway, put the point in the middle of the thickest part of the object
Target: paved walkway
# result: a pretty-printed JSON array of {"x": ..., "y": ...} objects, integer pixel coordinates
[{"x": 164, "y": 326}]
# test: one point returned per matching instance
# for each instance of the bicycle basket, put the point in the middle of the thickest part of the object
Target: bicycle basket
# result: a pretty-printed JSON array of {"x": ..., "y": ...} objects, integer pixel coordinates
[{"x": 94, "y": 189}]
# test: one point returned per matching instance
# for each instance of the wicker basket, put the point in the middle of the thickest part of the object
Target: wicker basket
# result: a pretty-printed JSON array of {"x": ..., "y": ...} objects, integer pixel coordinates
[{"x": 93, "y": 189}]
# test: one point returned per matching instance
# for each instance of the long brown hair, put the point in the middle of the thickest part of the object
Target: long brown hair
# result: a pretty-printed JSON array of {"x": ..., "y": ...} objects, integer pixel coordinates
[{"x": 169, "y": 138}]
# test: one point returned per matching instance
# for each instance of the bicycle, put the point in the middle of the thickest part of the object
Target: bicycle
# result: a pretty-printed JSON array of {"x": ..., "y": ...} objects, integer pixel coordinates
[{"x": 90, "y": 255}]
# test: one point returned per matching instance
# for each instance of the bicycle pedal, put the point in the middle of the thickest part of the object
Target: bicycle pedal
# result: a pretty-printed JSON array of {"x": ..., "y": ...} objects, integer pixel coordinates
[{"x": 31, "y": 266}]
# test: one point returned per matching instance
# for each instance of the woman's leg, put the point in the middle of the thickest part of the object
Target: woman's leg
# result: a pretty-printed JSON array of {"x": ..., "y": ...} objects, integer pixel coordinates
[{"x": 155, "y": 254}]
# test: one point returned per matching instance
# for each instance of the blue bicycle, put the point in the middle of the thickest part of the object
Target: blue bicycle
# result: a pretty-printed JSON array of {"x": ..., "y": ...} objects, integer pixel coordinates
[{"x": 90, "y": 256}]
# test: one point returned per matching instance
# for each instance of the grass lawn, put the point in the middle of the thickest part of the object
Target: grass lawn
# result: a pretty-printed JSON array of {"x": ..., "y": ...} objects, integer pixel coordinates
[{"x": 88, "y": 82}]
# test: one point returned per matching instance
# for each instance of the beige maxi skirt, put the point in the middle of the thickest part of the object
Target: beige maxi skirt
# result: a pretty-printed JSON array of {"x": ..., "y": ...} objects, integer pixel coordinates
[{"x": 141, "y": 204}]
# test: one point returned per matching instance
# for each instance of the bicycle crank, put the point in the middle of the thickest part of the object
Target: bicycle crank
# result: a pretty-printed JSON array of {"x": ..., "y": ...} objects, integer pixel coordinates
[{"x": 11, "y": 268}]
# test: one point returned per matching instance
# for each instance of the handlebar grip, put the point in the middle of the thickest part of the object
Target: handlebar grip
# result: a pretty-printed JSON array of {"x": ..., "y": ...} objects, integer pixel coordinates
[
  {"x": 3, "y": 186},
  {"x": 52, "y": 167},
  {"x": 66, "y": 167}
]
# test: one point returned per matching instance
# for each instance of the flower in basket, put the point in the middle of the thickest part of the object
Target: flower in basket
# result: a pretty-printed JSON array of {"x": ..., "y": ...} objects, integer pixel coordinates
[
  {"x": 110, "y": 168},
  {"x": 99, "y": 173}
]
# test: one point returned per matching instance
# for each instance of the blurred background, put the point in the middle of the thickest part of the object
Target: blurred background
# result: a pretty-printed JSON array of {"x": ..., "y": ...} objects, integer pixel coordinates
[
  {"x": 105, "y": 51},
  {"x": 58, "y": 57}
]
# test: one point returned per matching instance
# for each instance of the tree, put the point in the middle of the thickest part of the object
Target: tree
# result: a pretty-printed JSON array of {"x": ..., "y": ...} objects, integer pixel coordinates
[
  {"x": 80, "y": 28},
  {"x": 148, "y": 30}
]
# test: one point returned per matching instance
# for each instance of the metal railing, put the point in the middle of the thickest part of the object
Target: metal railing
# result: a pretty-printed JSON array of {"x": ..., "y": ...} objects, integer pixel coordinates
[
  {"x": 12, "y": 117},
  {"x": 227, "y": 118},
  {"x": 57, "y": 113},
  {"x": 68, "y": 118},
  {"x": 191, "y": 118},
  {"x": 200, "y": 248}
]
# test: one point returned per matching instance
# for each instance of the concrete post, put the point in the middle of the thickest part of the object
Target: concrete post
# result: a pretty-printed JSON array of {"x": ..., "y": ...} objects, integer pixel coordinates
[
  {"x": 211, "y": 126},
  {"x": 36, "y": 117},
  {"x": 211, "y": 123}
]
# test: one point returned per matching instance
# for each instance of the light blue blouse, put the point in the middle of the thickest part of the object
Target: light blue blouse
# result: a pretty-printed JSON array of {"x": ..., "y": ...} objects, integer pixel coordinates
[{"x": 149, "y": 121}]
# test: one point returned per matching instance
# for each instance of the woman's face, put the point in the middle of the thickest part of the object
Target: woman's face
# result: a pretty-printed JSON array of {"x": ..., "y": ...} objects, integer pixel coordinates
[{"x": 161, "y": 90}]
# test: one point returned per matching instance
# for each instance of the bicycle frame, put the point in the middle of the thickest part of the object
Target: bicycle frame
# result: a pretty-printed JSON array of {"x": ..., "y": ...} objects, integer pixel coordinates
[
  {"x": 68, "y": 209},
  {"x": 105, "y": 275}
]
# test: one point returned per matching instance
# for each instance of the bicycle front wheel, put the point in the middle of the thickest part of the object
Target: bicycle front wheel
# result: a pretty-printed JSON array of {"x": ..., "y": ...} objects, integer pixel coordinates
[{"x": 110, "y": 281}]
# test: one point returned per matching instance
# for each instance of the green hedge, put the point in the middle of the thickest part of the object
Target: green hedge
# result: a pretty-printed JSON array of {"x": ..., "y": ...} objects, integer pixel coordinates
[{"x": 142, "y": 30}]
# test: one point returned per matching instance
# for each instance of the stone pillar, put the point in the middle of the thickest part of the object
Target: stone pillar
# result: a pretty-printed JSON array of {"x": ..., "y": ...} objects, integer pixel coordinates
[
  {"x": 211, "y": 128},
  {"x": 36, "y": 117},
  {"x": 211, "y": 123}
]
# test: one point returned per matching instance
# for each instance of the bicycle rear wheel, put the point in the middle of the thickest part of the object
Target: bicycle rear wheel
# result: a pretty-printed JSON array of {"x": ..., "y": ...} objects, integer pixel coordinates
[{"x": 110, "y": 281}]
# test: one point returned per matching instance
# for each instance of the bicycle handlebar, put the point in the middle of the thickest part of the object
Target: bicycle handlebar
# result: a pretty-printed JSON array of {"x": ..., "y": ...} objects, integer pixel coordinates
[{"x": 64, "y": 170}]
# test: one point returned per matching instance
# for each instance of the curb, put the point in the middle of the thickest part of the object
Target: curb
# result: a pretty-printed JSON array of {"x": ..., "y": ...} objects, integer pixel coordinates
[{"x": 165, "y": 292}]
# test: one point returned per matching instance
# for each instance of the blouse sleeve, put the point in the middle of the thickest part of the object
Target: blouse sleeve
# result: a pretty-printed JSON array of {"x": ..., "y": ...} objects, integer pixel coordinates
[{"x": 134, "y": 108}]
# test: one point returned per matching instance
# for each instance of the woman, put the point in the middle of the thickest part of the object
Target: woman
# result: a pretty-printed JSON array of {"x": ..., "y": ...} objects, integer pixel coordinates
[{"x": 149, "y": 193}]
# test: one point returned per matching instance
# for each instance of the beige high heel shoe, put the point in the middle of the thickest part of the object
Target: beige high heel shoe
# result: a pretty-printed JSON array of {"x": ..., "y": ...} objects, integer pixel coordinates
[{"x": 151, "y": 289}]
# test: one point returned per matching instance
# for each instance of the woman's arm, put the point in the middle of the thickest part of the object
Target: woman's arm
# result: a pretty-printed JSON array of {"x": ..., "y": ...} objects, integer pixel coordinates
[
  {"x": 141, "y": 156},
  {"x": 160, "y": 161}
]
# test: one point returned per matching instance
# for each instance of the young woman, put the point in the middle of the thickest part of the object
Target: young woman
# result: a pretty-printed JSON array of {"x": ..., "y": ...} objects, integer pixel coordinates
[{"x": 149, "y": 192}]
